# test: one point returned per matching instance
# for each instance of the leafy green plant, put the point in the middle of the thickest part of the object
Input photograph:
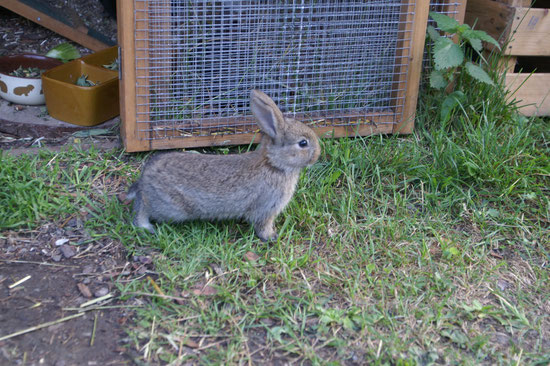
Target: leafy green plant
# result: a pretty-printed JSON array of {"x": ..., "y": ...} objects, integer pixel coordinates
[
  {"x": 64, "y": 52},
  {"x": 450, "y": 59}
]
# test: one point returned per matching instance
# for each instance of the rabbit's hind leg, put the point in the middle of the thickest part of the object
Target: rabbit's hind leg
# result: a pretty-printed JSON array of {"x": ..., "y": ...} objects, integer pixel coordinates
[{"x": 141, "y": 215}]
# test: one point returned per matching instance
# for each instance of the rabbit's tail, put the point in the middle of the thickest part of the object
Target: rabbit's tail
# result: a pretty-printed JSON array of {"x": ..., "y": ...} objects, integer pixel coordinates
[{"x": 132, "y": 192}]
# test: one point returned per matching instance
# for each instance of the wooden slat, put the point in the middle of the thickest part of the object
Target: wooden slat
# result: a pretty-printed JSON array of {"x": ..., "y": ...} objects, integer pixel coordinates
[
  {"x": 530, "y": 33},
  {"x": 226, "y": 140},
  {"x": 461, "y": 11},
  {"x": 412, "y": 69},
  {"x": 534, "y": 94},
  {"x": 127, "y": 85},
  {"x": 80, "y": 35},
  {"x": 518, "y": 3}
]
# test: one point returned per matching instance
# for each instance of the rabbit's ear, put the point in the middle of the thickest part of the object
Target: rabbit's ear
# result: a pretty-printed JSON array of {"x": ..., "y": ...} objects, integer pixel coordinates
[{"x": 269, "y": 116}]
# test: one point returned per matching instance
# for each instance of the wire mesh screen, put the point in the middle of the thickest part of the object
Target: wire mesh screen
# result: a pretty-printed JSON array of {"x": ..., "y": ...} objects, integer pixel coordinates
[{"x": 327, "y": 62}]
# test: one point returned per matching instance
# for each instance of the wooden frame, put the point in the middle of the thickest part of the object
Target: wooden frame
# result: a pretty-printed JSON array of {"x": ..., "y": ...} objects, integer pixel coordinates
[{"x": 134, "y": 69}]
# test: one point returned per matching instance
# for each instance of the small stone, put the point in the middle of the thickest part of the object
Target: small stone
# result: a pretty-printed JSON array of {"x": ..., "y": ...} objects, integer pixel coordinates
[
  {"x": 56, "y": 257},
  {"x": 251, "y": 256},
  {"x": 67, "y": 251},
  {"x": 101, "y": 292},
  {"x": 267, "y": 321},
  {"x": 205, "y": 291},
  {"x": 60, "y": 242},
  {"x": 84, "y": 290},
  {"x": 143, "y": 259},
  {"x": 88, "y": 269}
]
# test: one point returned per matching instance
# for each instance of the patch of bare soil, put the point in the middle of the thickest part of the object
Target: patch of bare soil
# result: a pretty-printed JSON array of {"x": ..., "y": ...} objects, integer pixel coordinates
[
  {"x": 22, "y": 138},
  {"x": 65, "y": 268}
]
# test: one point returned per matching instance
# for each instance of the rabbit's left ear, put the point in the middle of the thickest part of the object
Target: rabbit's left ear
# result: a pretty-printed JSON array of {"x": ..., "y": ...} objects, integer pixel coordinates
[{"x": 269, "y": 116}]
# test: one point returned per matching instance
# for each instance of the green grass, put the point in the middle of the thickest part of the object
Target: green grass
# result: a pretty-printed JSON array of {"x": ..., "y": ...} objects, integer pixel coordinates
[{"x": 401, "y": 250}]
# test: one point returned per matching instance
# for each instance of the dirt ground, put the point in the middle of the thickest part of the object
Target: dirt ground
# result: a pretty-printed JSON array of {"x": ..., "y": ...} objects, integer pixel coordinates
[
  {"x": 62, "y": 278},
  {"x": 64, "y": 266}
]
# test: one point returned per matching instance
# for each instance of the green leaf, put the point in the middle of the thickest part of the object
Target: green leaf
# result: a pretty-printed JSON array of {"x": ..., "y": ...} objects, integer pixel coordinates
[
  {"x": 476, "y": 44},
  {"x": 437, "y": 81},
  {"x": 447, "y": 54},
  {"x": 480, "y": 35},
  {"x": 333, "y": 177},
  {"x": 463, "y": 28},
  {"x": 478, "y": 73},
  {"x": 83, "y": 81},
  {"x": 348, "y": 323},
  {"x": 444, "y": 22},
  {"x": 64, "y": 52},
  {"x": 433, "y": 33},
  {"x": 449, "y": 104},
  {"x": 456, "y": 336}
]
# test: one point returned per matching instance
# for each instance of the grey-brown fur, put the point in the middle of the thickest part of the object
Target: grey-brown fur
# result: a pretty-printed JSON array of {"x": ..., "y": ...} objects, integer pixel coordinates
[{"x": 255, "y": 186}]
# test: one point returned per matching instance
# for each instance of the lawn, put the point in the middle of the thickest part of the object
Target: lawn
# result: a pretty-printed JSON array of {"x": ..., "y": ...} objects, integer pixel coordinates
[{"x": 431, "y": 248}]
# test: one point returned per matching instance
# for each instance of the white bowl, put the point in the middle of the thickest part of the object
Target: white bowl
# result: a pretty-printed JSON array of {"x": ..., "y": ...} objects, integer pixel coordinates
[{"x": 24, "y": 90}]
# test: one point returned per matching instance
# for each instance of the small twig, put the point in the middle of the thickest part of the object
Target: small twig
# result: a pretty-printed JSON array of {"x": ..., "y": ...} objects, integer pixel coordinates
[
  {"x": 93, "y": 331},
  {"x": 43, "y": 325},
  {"x": 168, "y": 297},
  {"x": 148, "y": 349},
  {"x": 378, "y": 350},
  {"x": 155, "y": 286},
  {"x": 519, "y": 357},
  {"x": 101, "y": 307},
  {"x": 39, "y": 263},
  {"x": 19, "y": 282},
  {"x": 210, "y": 345},
  {"x": 93, "y": 301}
]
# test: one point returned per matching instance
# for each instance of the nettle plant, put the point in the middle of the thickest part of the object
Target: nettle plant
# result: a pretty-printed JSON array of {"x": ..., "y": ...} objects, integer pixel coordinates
[{"x": 449, "y": 59}]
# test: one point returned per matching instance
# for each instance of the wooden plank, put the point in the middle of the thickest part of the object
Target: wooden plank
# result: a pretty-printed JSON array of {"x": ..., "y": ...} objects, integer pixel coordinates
[
  {"x": 227, "y": 140},
  {"x": 80, "y": 35},
  {"x": 460, "y": 11},
  {"x": 526, "y": 29},
  {"x": 533, "y": 92},
  {"x": 127, "y": 84},
  {"x": 517, "y": 3},
  {"x": 530, "y": 33},
  {"x": 418, "y": 21},
  {"x": 492, "y": 17}
]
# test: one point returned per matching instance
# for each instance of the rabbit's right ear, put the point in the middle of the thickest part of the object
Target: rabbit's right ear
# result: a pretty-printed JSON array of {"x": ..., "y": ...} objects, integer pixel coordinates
[{"x": 269, "y": 116}]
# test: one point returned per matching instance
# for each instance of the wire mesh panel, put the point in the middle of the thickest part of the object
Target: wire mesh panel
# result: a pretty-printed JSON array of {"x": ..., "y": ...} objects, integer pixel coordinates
[{"x": 341, "y": 66}]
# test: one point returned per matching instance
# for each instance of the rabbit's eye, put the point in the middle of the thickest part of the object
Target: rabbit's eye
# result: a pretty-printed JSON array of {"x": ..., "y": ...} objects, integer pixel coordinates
[{"x": 302, "y": 143}]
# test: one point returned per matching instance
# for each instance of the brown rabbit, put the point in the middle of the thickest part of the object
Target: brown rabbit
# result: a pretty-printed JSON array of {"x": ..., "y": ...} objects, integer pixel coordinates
[{"x": 255, "y": 186}]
